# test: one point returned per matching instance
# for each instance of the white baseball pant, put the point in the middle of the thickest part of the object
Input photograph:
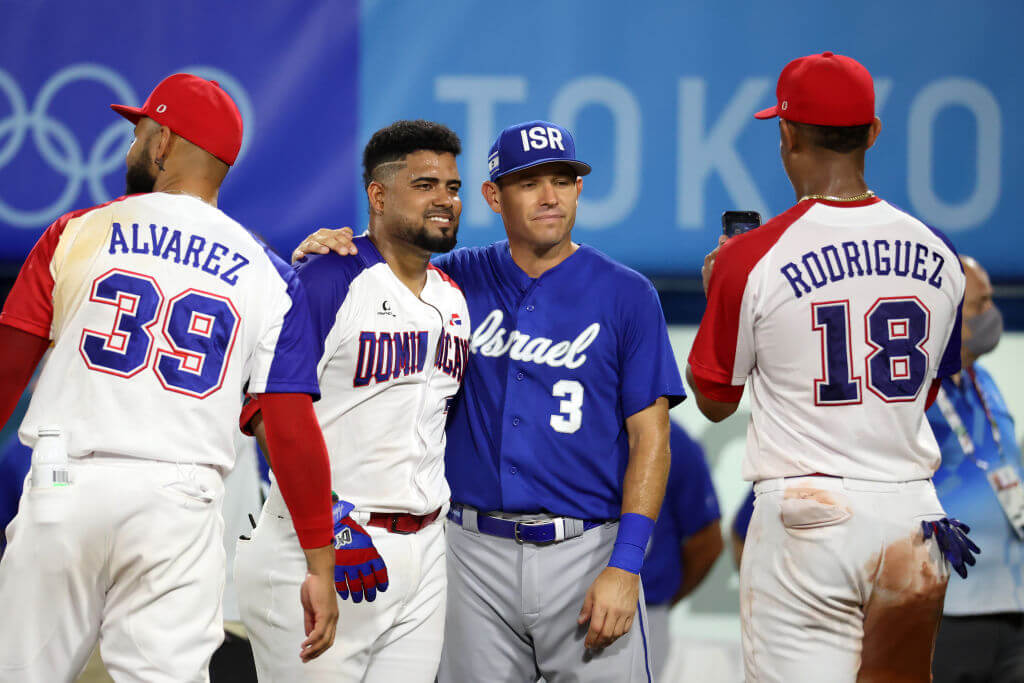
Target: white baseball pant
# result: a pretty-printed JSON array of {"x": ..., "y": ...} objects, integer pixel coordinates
[
  {"x": 132, "y": 554},
  {"x": 397, "y": 637},
  {"x": 837, "y": 583}
]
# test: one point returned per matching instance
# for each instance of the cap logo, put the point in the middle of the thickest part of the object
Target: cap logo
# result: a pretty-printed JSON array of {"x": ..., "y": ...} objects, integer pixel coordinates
[
  {"x": 492, "y": 163},
  {"x": 785, "y": 105},
  {"x": 161, "y": 108},
  {"x": 541, "y": 137}
]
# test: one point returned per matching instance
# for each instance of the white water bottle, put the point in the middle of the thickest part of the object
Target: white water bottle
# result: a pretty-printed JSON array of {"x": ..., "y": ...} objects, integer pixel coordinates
[{"x": 50, "y": 459}]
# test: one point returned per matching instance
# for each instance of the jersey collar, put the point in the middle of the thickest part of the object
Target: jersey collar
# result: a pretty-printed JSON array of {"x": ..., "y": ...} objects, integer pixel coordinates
[{"x": 514, "y": 274}]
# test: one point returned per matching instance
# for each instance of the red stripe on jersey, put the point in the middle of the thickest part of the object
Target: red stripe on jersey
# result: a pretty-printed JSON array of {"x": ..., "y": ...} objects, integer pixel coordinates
[
  {"x": 29, "y": 306},
  {"x": 716, "y": 391},
  {"x": 714, "y": 350},
  {"x": 445, "y": 276}
]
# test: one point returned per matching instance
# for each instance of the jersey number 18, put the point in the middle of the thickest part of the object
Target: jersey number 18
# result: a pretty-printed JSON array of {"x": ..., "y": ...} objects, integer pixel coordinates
[{"x": 895, "y": 330}]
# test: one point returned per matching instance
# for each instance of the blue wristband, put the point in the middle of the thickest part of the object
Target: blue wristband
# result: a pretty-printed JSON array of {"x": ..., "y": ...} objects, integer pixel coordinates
[{"x": 631, "y": 542}]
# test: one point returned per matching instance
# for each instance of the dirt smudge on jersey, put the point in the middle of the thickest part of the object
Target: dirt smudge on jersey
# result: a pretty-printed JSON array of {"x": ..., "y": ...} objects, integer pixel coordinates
[{"x": 902, "y": 616}]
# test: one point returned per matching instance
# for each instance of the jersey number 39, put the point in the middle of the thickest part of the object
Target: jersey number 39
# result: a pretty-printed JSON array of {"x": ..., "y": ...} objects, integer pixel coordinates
[
  {"x": 199, "y": 329},
  {"x": 895, "y": 330}
]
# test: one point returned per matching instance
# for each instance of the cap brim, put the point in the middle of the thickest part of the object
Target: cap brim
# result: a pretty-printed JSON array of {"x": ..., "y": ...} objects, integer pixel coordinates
[
  {"x": 769, "y": 113},
  {"x": 580, "y": 167},
  {"x": 133, "y": 114}
]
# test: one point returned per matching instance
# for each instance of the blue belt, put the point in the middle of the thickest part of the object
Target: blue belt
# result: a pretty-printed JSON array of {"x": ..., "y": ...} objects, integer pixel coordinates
[{"x": 542, "y": 531}]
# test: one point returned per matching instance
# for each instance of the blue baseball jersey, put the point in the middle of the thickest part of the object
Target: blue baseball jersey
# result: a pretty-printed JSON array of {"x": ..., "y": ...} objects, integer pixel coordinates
[
  {"x": 996, "y": 583},
  {"x": 690, "y": 505},
  {"x": 741, "y": 522},
  {"x": 558, "y": 364}
]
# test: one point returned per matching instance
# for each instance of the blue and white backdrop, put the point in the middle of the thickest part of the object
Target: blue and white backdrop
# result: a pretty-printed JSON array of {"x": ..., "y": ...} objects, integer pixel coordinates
[{"x": 659, "y": 95}]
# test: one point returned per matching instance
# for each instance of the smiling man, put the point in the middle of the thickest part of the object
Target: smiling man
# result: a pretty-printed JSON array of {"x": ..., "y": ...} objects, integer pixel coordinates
[
  {"x": 393, "y": 335},
  {"x": 557, "y": 451}
]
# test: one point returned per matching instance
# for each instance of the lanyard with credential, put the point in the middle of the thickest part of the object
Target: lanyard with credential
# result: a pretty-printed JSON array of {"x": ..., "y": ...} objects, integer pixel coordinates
[
  {"x": 996, "y": 436},
  {"x": 1004, "y": 480},
  {"x": 958, "y": 428}
]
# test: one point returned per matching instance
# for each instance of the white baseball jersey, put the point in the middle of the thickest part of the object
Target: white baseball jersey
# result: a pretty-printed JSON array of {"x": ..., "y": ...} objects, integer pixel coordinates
[
  {"x": 391, "y": 364},
  {"x": 841, "y": 315},
  {"x": 160, "y": 308}
]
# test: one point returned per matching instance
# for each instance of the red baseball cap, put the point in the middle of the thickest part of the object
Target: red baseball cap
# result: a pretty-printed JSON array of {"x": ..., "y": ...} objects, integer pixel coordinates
[
  {"x": 196, "y": 109},
  {"x": 824, "y": 90}
]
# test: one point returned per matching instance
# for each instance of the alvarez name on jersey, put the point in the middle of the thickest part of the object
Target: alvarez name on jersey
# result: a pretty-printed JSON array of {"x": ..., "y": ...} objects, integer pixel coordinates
[{"x": 390, "y": 366}]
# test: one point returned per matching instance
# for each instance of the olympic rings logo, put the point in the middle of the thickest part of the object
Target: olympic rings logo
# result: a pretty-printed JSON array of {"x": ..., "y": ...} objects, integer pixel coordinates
[{"x": 61, "y": 150}]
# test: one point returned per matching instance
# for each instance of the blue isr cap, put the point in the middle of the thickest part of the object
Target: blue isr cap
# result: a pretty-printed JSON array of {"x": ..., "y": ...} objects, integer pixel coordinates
[{"x": 529, "y": 144}]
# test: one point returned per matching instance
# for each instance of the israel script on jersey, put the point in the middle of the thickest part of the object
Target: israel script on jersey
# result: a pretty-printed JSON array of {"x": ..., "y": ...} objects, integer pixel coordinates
[{"x": 491, "y": 339}]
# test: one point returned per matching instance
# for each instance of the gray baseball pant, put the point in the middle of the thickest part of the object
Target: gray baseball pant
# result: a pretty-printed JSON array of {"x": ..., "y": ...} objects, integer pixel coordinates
[{"x": 512, "y": 610}]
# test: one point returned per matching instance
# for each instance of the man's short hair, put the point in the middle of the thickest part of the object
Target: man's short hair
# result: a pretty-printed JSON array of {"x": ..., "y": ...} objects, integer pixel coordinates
[
  {"x": 401, "y": 139},
  {"x": 842, "y": 139}
]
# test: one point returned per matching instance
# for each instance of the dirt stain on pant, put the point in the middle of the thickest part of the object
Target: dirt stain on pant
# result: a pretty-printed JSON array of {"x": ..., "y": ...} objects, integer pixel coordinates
[
  {"x": 805, "y": 493},
  {"x": 901, "y": 619}
]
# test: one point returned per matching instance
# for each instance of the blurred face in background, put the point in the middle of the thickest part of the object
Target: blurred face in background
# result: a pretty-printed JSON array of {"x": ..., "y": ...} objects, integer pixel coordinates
[
  {"x": 537, "y": 204},
  {"x": 418, "y": 201},
  {"x": 983, "y": 323}
]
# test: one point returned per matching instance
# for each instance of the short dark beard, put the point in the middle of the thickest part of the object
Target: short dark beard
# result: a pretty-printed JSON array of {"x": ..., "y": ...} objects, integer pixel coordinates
[
  {"x": 419, "y": 237},
  {"x": 137, "y": 179}
]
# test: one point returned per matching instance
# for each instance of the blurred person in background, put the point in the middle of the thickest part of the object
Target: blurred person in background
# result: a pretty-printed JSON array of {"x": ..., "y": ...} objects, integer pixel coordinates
[
  {"x": 738, "y": 530},
  {"x": 981, "y": 637},
  {"x": 687, "y": 540}
]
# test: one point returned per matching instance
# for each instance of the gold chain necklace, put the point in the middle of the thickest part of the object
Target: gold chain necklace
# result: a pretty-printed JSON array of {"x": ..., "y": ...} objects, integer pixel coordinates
[{"x": 829, "y": 198}]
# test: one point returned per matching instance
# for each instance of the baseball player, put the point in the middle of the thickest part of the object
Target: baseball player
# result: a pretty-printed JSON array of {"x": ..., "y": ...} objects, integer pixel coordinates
[
  {"x": 394, "y": 337},
  {"x": 843, "y": 312},
  {"x": 160, "y": 308},
  {"x": 557, "y": 450}
]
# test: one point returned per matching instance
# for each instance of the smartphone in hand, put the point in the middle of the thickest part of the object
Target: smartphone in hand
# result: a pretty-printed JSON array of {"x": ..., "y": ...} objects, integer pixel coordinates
[{"x": 738, "y": 222}]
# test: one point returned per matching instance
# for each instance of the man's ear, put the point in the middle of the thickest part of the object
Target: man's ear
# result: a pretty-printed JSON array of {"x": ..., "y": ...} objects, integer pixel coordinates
[
  {"x": 876, "y": 128},
  {"x": 788, "y": 136},
  {"x": 492, "y": 195},
  {"x": 164, "y": 140},
  {"x": 375, "y": 194}
]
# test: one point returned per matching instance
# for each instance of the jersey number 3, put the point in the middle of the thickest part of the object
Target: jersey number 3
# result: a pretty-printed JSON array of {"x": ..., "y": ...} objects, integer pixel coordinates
[
  {"x": 895, "y": 330},
  {"x": 570, "y": 414},
  {"x": 199, "y": 329}
]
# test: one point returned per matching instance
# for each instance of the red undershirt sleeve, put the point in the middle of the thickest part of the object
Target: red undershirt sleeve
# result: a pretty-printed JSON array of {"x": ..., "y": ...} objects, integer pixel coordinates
[
  {"x": 20, "y": 353},
  {"x": 298, "y": 456}
]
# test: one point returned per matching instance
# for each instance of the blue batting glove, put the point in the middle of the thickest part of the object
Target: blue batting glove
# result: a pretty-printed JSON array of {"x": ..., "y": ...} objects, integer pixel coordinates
[
  {"x": 358, "y": 567},
  {"x": 956, "y": 547}
]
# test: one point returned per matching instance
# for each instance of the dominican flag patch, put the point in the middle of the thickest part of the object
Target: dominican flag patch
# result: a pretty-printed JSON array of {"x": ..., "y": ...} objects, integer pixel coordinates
[{"x": 455, "y": 320}]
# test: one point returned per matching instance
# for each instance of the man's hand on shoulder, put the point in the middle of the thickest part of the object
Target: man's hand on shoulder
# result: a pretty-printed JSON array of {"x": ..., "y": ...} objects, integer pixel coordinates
[{"x": 324, "y": 240}]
